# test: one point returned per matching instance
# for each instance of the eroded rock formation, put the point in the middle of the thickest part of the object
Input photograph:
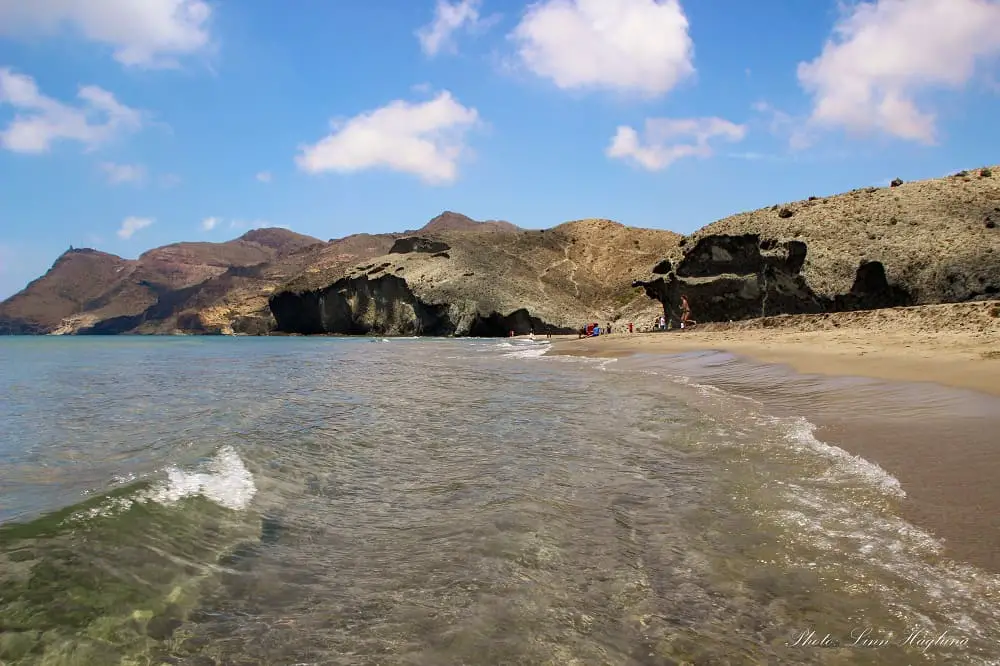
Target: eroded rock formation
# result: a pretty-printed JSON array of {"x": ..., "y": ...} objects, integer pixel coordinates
[
  {"x": 385, "y": 305},
  {"x": 740, "y": 277},
  {"x": 418, "y": 244}
]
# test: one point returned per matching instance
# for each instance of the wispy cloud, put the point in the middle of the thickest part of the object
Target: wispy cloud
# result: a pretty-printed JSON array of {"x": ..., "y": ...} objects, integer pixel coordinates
[
  {"x": 264, "y": 177},
  {"x": 169, "y": 180},
  {"x": 130, "y": 225},
  {"x": 666, "y": 140},
  {"x": 123, "y": 173},
  {"x": 40, "y": 121},
  {"x": 451, "y": 17}
]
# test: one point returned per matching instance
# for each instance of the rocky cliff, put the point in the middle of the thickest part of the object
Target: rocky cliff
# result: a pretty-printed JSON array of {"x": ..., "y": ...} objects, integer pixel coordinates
[
  {"x": 485, "y": 284},
  {"x": 933, "y": 241}
]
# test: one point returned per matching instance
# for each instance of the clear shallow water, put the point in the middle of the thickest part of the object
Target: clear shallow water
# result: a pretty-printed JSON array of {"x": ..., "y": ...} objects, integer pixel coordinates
[{"x": 332, "y": 501}]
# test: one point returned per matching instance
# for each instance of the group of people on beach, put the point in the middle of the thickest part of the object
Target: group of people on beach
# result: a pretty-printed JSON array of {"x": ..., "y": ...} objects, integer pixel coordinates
[
  {"x": 594, "y": 329},
  {"x": 591, "y": 330}
]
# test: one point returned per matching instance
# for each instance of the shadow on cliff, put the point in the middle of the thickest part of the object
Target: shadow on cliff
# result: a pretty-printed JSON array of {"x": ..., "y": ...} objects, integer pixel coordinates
[
  {"x": 170, "y": 302},
  {"x": 742, "y": 277},
  {"x": 386, "y": 305}
]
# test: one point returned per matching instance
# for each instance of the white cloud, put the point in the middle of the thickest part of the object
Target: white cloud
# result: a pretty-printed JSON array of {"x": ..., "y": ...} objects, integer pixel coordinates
[
  {"x": 146, "y": 33},
  {"x": 41, "y": 120},
  {"x": 664, "y": 142},
  {"x": 449, "y": 17},
  {"x": 425, "y": 139},
  {"x": 264, "y": 177},
  {"x": 123, "y": 173},
  {"x": 210, "y": 223},
  {"x": 130, "y": 225},
  {"x": 882, "y": 55},
  {"x": 639, "y": 46}
]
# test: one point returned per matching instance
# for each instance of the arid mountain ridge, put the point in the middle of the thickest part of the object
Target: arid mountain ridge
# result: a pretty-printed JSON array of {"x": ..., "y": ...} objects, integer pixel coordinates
[{"x": 933, "y": 241}]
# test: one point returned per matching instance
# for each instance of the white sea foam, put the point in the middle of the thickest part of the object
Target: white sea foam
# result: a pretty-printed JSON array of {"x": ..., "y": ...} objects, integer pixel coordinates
[
  {"x": 799, "y": 432},
  {"x": 525, "y": 348},
  {"x": 223, "y": 479},
  {"x": 530, "y": 352}
]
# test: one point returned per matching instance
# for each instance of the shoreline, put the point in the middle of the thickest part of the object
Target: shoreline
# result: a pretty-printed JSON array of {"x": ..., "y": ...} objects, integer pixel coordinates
[
  {"x": 919, "y": 344},
  {"x": 921, "y": 405}
]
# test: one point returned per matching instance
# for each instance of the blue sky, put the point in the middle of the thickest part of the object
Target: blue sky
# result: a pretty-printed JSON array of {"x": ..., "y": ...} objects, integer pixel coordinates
[{"x": 125, "y": 126}]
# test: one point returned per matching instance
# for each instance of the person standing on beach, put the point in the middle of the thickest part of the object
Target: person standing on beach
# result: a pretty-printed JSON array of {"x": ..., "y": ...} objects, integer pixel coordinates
[{"x": 685, "y": 310}]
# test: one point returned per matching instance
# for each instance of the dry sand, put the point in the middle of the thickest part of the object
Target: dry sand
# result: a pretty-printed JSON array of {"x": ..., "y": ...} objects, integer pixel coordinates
[{"x": 955, "y": 345}]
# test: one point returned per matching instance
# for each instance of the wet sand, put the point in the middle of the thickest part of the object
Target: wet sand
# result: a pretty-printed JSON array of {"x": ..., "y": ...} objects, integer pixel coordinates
[{"x": 925, "y": 406}]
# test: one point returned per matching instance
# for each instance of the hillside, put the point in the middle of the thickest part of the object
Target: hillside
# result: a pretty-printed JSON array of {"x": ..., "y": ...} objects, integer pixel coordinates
[
  {"x": 933, "y": 241},
  {"x": 76, "y": 282},
  {"x": 87, "y": 289},
  {"x": 455, "y": 282},
  {"x": 924, "y": 242}
]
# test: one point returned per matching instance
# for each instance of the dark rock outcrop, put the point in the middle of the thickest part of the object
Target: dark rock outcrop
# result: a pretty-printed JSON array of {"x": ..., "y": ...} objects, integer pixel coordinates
[
  {"x": 871, "y": 290},
  {"x": 418, "y": 244},
  {"x": 386, "y": 305},
  {"x": 742, "y": 277},
  {"x": 896, "y": 182},
  {"x": 520, "y": 322},
  {"x": 662, "y": 268},
  {"x": 359, "y": 306}
]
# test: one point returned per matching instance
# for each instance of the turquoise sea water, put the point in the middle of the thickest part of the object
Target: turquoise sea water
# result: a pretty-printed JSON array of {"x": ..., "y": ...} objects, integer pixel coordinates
[{"x": 365, "y": 501}]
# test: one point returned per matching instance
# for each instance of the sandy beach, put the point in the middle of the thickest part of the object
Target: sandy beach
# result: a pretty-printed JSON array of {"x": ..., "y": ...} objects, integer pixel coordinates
[{"x": 952, "y": 345}]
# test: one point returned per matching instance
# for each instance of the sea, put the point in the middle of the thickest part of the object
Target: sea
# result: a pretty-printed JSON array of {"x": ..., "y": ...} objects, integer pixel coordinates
[{"x": 321, "y": 500}]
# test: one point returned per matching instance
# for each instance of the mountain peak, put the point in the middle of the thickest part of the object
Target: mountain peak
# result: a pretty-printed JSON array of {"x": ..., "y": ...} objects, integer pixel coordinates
[
  {"x": 279, "y": 238},
  {"x": 452, "y": 221}
]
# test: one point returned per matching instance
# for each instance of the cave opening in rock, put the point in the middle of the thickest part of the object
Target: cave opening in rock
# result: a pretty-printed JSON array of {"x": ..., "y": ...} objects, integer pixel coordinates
[{"x": 521, "y": 322}]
